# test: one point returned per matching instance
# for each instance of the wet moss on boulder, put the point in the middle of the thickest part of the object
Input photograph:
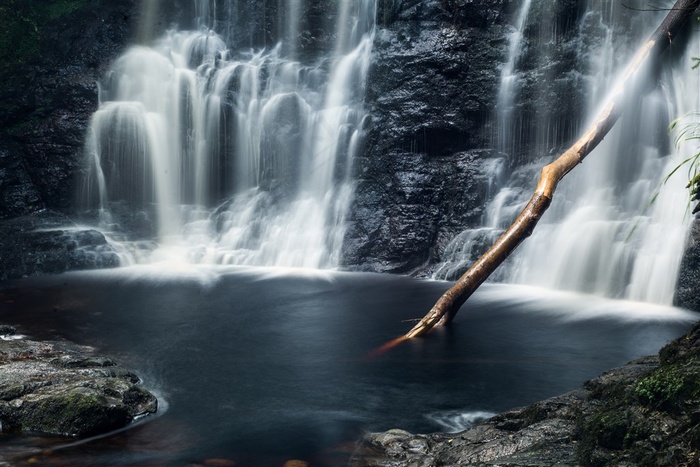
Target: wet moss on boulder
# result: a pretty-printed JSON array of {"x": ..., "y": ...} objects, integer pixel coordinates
[
  {"x": 652, "y": 419},
  {"x": 63, "y": 389}
]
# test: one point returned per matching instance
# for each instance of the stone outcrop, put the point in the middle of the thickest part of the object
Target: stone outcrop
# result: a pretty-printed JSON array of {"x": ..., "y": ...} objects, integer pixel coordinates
[
  {"x": 689, "y": 275},
  {"x": 645, "y": 413},
  {"x": 52, "y": 55},
  {"x": 48, "y": 243},
  {"x": 432, "y": 82},
  {"x": 62, "y": 389}
]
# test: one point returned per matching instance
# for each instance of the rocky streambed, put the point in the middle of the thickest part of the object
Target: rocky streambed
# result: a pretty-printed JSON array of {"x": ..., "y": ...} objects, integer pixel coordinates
[
  {"x": 57, "y": 388},
  {"x": 645, "y": 413}
]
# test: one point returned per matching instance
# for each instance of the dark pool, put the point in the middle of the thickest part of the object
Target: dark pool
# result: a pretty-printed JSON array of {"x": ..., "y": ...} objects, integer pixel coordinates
[{"x": 258, "y": 366}]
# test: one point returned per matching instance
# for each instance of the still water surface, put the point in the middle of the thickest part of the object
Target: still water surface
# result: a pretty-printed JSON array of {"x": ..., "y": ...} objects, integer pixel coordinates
[{"x": 263, "y": 365}]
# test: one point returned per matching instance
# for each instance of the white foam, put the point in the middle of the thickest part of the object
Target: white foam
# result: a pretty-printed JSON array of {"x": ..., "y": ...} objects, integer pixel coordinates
[
  {"x": 454, "y": 421},
  {"x": 573, "y": 306}
]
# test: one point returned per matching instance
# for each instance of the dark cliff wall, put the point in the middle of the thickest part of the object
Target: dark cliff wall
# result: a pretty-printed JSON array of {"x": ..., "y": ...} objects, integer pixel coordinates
[
  {"x": 687, "y": 295},
  {"x": 51, "y": 57},
  {"x": 52, "y": 54},
  {"x": 432, "y": 82},
  {"x": 432, "y": 94}
]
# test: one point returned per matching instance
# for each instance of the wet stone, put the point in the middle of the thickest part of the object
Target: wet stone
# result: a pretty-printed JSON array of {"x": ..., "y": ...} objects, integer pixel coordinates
[{"x": 63, "y": 389}]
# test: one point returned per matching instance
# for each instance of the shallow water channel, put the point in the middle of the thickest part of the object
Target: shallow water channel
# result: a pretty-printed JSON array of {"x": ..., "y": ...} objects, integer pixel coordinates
[{"x": 259, "y": 366}]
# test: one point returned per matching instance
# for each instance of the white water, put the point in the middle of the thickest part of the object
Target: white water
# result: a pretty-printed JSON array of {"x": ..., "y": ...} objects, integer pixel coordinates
[
  {"x": 243, "y": 157},
  {"x": 456, "y": 421},
  {"x": 603, "y": 234},
  {"x": 506, "y": 140}
]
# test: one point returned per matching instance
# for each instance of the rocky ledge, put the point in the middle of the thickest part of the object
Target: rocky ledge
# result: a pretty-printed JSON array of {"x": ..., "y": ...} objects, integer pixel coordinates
[
  {"x": 63, "y": 389},
  {"x": 48, "y": 242},
  {"x": 645, "y": 413}
]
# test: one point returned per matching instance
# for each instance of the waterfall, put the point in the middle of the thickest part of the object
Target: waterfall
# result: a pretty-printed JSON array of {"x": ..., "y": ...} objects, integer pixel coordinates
[
  {"x": 468, "y": 245},
  {"x": 232, "y": 155},
  {"x": 505, "y": 139},
  {"x": 615, "y": 227}
]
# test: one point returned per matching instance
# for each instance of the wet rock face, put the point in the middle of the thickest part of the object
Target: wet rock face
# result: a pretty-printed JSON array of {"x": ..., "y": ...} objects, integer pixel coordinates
[
  {"x": 52, "y": 55},
  {"x": 47, "y": 98},
  {"x": 408, "y": 209},
  {"x": 62, "y": 389},
  {"x": 18, "y": 195},
  {"x": 689, "y": 275},
  {"x": 431, "y": 87},
  {"x": 44, "y": 243}
]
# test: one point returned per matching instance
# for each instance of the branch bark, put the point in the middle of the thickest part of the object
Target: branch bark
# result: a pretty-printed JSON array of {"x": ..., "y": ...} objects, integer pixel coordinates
[{"x": 445, "y": 309}]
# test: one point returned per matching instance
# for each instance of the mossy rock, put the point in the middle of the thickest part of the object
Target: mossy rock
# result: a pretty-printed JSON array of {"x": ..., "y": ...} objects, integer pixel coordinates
[
  {"x": 62, "y": 389},
  {"x": 669, "y": 388},
  {"x": 78, "y": 411}
]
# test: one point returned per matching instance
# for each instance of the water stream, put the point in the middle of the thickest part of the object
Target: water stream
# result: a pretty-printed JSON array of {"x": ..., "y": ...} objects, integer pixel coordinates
[
  {"x": 615, "y": 227},
  {"x": 231, "y": 156}
]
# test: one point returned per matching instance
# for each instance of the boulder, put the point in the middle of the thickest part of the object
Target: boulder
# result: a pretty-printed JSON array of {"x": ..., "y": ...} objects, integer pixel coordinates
[
  {"x": 62, "y": 389},
  {"x": 49, "y": 243}
]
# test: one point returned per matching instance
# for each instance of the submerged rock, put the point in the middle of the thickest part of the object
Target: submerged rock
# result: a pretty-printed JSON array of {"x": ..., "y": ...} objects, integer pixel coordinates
[
  {"x": 645, "y": 413},
  {"x": 61, "y": 389}
]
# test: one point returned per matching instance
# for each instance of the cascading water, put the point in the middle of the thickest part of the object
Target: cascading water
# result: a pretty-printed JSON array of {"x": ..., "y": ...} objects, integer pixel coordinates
[
  {"x": 505, "y": 139},
  {"x": 615, "y": 227},
  {"x": 469, "y": 244},
  {"x": 241, "y": 157}
]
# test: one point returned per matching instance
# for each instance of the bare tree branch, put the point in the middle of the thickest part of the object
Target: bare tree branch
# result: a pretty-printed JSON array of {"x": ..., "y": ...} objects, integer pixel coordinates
[{"x": 445, "y": 309}]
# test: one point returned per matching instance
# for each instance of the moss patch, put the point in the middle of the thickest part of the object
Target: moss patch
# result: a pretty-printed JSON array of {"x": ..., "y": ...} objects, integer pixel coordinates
[
  {"x": 652, "y": 419},
  {"x": 669, "y": 388},
  {"x": 78, "y": 412}
]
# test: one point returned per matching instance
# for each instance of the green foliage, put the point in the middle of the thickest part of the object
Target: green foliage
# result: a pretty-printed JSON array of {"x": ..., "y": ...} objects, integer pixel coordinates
[
  {"x": 659, "y": 388},
  {"x": 687, "y": 130},
  {"x": 668, "y": 388}
]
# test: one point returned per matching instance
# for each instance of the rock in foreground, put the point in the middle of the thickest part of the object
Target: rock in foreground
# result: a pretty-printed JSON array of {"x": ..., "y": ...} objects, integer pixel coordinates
[
  {"x": 645, "y": 413},
  {"x": 61, "y": 389}
]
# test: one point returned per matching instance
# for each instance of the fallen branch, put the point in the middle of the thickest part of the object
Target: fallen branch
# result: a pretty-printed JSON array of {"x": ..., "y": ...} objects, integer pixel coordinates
[{"x": 444, "y": 311}]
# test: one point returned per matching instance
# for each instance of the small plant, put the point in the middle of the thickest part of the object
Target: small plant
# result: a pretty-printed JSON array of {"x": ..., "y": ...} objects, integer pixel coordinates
[
  {"x": 663, "y": 389},
  {"x": 688, "y": 131}
]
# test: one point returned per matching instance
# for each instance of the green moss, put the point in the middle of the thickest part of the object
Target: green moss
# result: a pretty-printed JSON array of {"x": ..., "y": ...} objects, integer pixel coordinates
[
  {"x": 9, "y": 391},
  {"x": 668, "y": 388},
  {"x": 638, "y": 429},
  {"x": 603, "y": 430},
  {"x": 77, "y": 412},
  {"x": 615, "y": 433}
]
